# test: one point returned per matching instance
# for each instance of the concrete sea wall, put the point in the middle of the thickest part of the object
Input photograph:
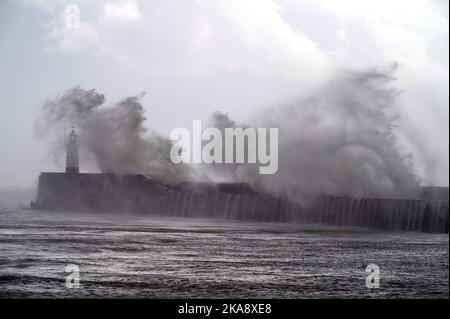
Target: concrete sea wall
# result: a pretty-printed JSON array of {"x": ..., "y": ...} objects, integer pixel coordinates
[{"x": 135, "y": 193}]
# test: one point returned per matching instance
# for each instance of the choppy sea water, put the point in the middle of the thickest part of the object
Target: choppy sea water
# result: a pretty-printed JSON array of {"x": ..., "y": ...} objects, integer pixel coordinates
[{"x": 157, "y": 257}]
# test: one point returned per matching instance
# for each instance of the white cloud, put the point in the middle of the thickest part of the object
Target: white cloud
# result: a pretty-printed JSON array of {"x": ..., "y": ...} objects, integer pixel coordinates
[
  {"x": 123, "y": 10},
  {"x": 401, "y": 10},
  {"x": 75, "y": 40},
  {"x": 251, "y": 36},
  {"x": 45, "y": 6}
]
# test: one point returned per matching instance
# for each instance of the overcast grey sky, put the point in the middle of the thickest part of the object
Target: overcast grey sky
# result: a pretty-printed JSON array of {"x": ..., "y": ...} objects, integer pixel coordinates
[{"x": 194, "y": 57}]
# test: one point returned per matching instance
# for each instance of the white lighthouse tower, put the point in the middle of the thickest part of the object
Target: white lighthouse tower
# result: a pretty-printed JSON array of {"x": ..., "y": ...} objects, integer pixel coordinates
[{"x": 72, "y": 156}]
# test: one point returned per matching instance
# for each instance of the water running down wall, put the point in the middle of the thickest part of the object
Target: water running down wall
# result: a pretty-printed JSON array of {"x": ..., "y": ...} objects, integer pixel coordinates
[{"x": 134, "y": 193}]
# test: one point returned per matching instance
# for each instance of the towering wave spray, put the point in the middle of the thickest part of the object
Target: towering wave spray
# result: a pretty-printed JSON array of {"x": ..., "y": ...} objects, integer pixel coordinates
[
  {"x": 114, "y": 134},
  {"x": 339, "y": 140}
]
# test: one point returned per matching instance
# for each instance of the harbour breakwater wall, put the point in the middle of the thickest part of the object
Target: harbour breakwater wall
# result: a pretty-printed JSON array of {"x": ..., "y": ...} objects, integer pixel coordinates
[{"x": 237, "y": 201}]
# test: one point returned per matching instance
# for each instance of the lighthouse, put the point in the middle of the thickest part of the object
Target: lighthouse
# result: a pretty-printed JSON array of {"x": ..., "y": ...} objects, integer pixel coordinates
[{"x": 72, "y": 149}]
